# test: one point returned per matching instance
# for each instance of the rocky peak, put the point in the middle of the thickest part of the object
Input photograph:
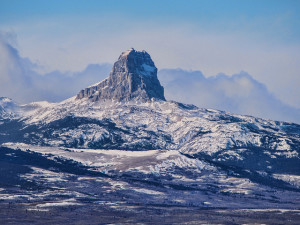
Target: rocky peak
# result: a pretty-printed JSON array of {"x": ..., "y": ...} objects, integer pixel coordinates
[{"x": 133, "y": 77}]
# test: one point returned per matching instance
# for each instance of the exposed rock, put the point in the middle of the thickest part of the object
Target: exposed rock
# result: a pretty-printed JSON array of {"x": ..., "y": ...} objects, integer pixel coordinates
[{"x": 133, "y": 77}]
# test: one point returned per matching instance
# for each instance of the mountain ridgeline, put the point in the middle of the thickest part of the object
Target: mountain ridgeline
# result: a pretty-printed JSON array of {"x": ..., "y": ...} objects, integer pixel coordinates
[{"x": 133, "y": 77}]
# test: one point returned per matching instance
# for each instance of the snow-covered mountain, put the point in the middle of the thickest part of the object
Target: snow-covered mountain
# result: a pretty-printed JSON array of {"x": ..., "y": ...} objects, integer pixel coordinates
[{"x": 123, "y": 129}]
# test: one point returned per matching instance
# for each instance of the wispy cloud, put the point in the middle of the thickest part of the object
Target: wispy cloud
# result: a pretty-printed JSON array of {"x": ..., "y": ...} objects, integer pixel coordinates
[
  {"x": 239, "y": 93},
  {"x": 20, "y": 81}
]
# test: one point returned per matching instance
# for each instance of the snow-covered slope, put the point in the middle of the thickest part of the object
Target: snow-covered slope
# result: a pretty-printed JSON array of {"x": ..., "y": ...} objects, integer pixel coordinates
[{"x": 215, "y": 135}]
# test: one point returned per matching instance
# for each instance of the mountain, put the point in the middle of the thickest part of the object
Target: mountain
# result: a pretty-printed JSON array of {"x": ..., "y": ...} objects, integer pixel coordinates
[
  {"x": 119, "y": 144},
  {"x": 134, "y": 76}
]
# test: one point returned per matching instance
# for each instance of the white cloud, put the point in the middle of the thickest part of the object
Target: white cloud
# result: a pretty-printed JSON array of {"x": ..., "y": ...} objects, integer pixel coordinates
[
  {"x": 20, "y": 81},
  {"x": 239, "y": 93}
]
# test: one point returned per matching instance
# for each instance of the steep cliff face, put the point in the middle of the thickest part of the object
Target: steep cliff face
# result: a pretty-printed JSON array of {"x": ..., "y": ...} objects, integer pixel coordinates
[{"x": 133, "y": 77}]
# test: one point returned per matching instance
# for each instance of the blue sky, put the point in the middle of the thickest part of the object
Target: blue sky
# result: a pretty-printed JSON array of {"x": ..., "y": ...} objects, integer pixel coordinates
[
  {"x": 261, "y": 37},
  {"x": 213, "y": 14}
]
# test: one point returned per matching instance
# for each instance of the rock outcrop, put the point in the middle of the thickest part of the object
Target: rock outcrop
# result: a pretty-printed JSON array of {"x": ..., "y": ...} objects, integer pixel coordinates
[{"x": 133, "y": 77}]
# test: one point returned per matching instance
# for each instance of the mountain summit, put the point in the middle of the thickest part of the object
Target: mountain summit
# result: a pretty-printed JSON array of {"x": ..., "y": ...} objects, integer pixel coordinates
[{"x": 133, "y": 77}]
